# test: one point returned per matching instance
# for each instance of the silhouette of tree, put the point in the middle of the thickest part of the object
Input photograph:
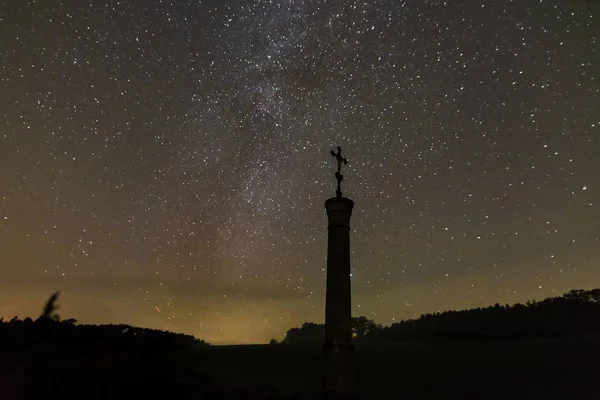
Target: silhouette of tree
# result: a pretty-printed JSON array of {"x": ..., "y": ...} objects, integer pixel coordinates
[
  {"x": 362, "y": 326},
  {"x": 312, "y": 332},
  {"x": 309, "y": 332}
]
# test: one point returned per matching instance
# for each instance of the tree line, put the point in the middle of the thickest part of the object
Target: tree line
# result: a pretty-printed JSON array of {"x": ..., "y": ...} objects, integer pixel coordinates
[
  {"x": 574, "y": 313},
  {"x": 49, "y": 328}
]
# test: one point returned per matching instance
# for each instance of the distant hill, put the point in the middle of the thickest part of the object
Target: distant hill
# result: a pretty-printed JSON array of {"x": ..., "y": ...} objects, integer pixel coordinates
[
  {"x": 58, "y": 359},
  {"x": 574, "y": 313}
]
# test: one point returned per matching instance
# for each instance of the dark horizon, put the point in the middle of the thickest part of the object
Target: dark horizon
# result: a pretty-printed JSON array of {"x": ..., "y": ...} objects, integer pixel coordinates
[{"x": 77, "y": 322}]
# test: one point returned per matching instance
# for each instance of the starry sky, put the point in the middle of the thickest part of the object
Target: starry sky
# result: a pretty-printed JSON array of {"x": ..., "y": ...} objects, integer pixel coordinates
[{"x": 165, "y": 163}]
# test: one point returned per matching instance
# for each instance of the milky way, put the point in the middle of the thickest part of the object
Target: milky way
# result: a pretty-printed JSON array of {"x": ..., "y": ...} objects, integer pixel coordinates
[{"x": 165, "y": 164}]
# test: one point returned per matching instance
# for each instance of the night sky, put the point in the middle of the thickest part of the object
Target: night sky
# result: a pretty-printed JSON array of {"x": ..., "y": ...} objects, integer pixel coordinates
[{"x": 165, "y": 163}]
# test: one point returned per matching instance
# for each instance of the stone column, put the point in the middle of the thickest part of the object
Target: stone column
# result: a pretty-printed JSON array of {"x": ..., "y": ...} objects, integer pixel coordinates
[{"x": 338, "y": 350}]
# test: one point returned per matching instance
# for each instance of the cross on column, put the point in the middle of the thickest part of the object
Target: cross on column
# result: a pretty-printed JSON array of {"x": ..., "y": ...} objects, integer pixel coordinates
[{"x": 338, "y": 174}]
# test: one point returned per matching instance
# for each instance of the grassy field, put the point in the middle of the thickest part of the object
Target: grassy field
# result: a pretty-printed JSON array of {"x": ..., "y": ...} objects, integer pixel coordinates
[{"x": 534, "y": 369}]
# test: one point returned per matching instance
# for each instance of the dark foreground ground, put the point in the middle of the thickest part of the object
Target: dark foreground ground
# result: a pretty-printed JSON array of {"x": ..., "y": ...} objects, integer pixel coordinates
[{"x": 533, "y": 369}]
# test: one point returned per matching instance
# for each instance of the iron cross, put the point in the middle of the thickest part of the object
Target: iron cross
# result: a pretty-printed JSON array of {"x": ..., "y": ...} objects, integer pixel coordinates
[{"x": 338, "y": 174}]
